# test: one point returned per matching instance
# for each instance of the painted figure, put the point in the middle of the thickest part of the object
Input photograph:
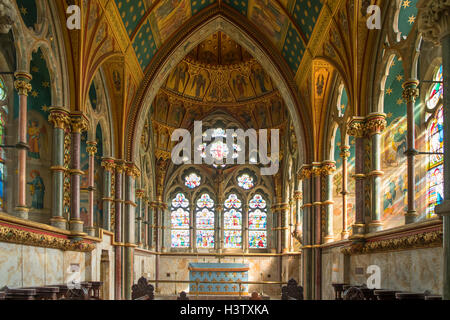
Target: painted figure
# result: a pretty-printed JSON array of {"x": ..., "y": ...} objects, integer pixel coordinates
[
  {"x": 34, "y": 134},
  {"x": 37, "y": 190}
]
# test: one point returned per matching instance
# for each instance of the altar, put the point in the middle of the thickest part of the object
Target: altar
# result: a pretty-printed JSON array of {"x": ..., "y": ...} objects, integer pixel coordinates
[{"x": 227, "y": 275}]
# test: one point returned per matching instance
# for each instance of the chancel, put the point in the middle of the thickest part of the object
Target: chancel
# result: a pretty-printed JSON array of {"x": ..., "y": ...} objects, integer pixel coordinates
[{"x": 99, "y": 201}]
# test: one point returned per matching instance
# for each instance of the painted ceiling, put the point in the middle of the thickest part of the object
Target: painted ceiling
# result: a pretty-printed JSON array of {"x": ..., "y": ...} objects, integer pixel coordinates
[{"x": 287, "y": 23}]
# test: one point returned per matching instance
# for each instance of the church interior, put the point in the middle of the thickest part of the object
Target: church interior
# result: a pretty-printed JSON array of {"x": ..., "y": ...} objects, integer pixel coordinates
[{"x": 348, "y": 94}]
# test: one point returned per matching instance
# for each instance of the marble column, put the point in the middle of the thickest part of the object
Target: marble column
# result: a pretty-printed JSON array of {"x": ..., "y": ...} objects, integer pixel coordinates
[
  {"x": 23, "y": 87},
  {"x": 284, "y": 214},
  {"x": 132, "y": 173},
  {"x": 151, "y": 227},
  {"x": 59, "y": 118},
  {"x": 219, "y": 233},
  {"x": 245, "y": 242},
  {"x": 91, "y": 149},
  {"x": 292, "y": 214},
  {"x": 434, "y": 24},
  {"x": 356, "y": 128},
  {"x": 298, "y": 196},
  {"x": 277, "y": 217},
  {"x": 119, "y": 165},
  {"x": 410, "y": 94},
  {"x": 317, "y": 228},
  {"x": 345, "y": 154},
  {"x": 79, "y": 124},
  {"x": 307, "y": 243},
  {"x": 163, "y": 214},
  {"x": 140, "y": 217},
  {"x": 108, "y": 199},
  {"x": 192, "y": 228},
  {"x": 375, "y": 125},
  {"x": 328, "y": 169},
  {"x": 145, "y": 222}
]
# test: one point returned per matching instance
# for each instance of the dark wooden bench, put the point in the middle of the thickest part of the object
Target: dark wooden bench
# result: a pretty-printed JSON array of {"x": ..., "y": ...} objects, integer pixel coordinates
[
  {"x": 20, "y": 294},
  {"x": 388, "y": 295},
  {"x": 409, "y": 296},
  {"x": 142, "y": 290},
  {"x": 46, "y": 293},
  {"x": 338, "y": 290},
  {"x": 2, "y": 295},
  {"x": 292, "y": 291}
]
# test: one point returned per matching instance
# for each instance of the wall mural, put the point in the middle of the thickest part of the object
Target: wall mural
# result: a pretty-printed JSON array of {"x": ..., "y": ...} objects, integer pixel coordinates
[
  {"x": 273, "y": 18},
  {"x": 394, "y": 144}
]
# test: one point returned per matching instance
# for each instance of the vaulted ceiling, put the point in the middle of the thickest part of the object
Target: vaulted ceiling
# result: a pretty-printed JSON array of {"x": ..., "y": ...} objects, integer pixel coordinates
[{"x": 287, "y": 23}]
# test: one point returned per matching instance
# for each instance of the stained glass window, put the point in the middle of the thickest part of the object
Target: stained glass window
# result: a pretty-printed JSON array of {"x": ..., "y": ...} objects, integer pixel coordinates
[
  {"x": 437, "y": 91},
  {"x": 180, "y": 222},
  {"x": 205, "y": 222},
  {"x": 3, "y": 119},
  {"x": 233, "y": 222},
  {"x": 435, "y": 144},
  {"x": 219, "y": 150},
  {"x": 257, "y": 223},
  {"x": 245, "y": 182},
  {"x": 2, "y": 90},
  {"x": 192, "y": 181}
]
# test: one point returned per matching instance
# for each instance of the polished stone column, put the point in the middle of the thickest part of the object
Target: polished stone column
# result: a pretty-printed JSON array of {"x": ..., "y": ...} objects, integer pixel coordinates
[
  {"x": 119, "y": 165},
  {"x": 163, "y": 214},
  {"x": 298, "y": 196},
  {"x": 375, "y": 125},
  {"x": 345, "y": 154},
  {"x": 151, "y": 227},
  {"x": 219, "y": 234},
  {"x": 410, "y": 94},
  {"x": 192, "y": 228},
  {"x": 79, "y": 124},
  {"x": 146, "y": 221},
  {"x": 284, "y": 214},
  {"x": 434, "y": 23},
  {"x": 292, "y": 213},
  {"x": 60, "y": 120},
  {"x": 277, "y": 218},
  {"x": 307, "y": 243},
  {"x": 23, "y": 87},
  {"x": 108, "y": 199},
  {"x": 140, "y": 217},
  {"x": 328, "y": 169},
  {"x": 132, "y": 173},
  {"x": 245, "y": 242},
  {"x": 91, "y": 149},
  {"x": 356, "y": 129},
  {"x": 317, "y": 228}
]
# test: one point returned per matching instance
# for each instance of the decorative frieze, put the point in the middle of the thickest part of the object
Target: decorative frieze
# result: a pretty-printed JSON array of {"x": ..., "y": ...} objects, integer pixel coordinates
[
  {"x": 18, "y": 236},
  {"x": 415, "y": 241}
]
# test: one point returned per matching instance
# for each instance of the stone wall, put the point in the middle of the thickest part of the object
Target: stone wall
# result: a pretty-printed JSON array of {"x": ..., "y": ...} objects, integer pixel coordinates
[
  {"x": 26, "y": 266},
  {"x": 414, "y": 270}
]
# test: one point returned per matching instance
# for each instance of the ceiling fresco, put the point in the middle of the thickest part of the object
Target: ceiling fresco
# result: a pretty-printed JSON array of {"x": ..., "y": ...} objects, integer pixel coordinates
[{"x": 288, "y": 24}]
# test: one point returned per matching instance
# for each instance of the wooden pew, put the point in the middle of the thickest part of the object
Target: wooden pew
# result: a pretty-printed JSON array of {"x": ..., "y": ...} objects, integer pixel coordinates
[
  {"x": 20, "y": 294},
  {"x": 292, "y": 291},
  {"x": 142, "y": 290}
]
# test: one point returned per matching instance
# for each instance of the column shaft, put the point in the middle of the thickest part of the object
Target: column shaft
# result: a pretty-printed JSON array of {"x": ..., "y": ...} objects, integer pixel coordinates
[
  {"x": 23, "y": 86},
  {"x": 91, "y": 150},
  {"x": 59, "y": 117},
  {"x": 245, "y": 235},
  {"x": 108, "y": 170},
  {"x": 328, "y": 168},
  {"x": 345, "y": 154},
  {"x": 118, "y": 230}
]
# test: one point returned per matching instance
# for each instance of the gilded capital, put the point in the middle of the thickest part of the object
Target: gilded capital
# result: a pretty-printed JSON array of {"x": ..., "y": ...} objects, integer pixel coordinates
[
  {"x": 375, "y": 124},
  {"x": 22, "y": 87},
  {"x": 356, "y": 127},
  {"x": 78, "y": 122},
  {"x": 108, "y": 164},
  {"x": 305, "y": 173},
  {"x": 59, "y": 118},
  {"x": 345, "y": 152},
  {"x": 316, "y": 169},
  {"x": 298, "y": 195},
  {"x": 132, "y": 170},
  {"x": 328, "y": 168},
  {"x": 434, "y": 19},
  {"x": 91, "y": 148},
  {"x": 140, "y": 193},
  {"x": 410, "y": 91}
]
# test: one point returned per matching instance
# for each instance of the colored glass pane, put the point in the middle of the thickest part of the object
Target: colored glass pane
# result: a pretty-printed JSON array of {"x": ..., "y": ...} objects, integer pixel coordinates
[
  {"x": 258, "y": 202},
  {"x": 232, "y": 239},
  {"x": 205, "y": 201},
  {"x": 180, "y": 201},
  {"x": 180, "y": 219},
  {"x": 257, "y": 219},
  {"x": 180, "y": 238},
  {"x": 257, "y": 239},
  {"x": 2, "y": 90},
  {"x": 233, "y": 219},
  {"x": 437, "y": 91},
  {"x": 192, "y": 181},
  {"x": 233, "y": 202},
  {"x": 205, "y": 219},
  {"x": 205, "y": 239},
  {"x": 218, "y": 149},
  {"x": 245, "y": 182}
]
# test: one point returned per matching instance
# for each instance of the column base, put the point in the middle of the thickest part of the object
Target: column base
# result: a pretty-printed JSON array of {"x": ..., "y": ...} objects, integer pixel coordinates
[
  {"x": 59, "y": 222},
  {"x": 90, "y": 231},
  {"x": 76, "y": 226},
  {"x": 375, "y": 226},
  {"x": 163, "y": 249},
  {"x": 21, "y": 212},
  {"x": 344, "y": 235},
  {"x": 285, "y": 250},
  {"x": 328, "y": 239},
  {"x": 358, "y": 231},
  {"x": 152, "y": 249},
  {"x": 411, "y": 217}
]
